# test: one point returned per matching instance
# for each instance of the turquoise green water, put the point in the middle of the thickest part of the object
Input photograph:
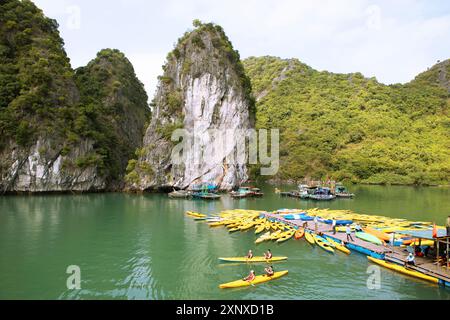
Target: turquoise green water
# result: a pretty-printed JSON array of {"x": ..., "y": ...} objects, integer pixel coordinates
[{"x": 144, "y": 247}]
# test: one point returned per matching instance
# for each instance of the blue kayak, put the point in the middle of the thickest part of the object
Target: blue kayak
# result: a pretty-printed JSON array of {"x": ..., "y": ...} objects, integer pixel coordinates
[
  {"x": 297, "y": 216},
  {"x": 338, "y": 222}
]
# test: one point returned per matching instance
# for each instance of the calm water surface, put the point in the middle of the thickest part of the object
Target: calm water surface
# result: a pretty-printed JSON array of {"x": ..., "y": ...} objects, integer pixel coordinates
[{"x": 144, "y": 247}]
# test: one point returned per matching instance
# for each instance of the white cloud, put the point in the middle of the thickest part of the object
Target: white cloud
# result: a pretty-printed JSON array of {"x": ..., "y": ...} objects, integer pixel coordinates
[{"x": 392, "y": 40}]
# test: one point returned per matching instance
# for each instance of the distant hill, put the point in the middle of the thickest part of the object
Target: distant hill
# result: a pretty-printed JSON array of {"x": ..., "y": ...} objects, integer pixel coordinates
[{"x": 349, "y": 127}]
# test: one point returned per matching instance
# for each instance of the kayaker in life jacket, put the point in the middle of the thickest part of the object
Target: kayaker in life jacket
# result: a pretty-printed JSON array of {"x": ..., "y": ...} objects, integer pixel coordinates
[
  {"x": 269, "y": 271},
  {"x": 250, "y": 254},
  {"x": 251, "y": 276},
  {"x": 268, "y": 254}
]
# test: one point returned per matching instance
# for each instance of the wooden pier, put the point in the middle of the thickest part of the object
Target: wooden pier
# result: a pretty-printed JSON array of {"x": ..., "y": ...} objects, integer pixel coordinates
[
  {"x": 361, "y": 246},
  {"x": 425, "y": 265},
  {"x": 384, "y": 252}
]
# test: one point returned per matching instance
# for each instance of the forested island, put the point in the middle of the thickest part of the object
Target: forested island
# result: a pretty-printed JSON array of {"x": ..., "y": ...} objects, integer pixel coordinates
[{"x": 92, "y": 128}]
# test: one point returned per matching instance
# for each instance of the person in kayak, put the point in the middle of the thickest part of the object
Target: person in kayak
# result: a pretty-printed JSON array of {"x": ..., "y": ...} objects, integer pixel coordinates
[
  {"x": 269, "y": 271},
  {"x": 268, "y": 255},
  {"x": 250, "y": 254},
  {"x": 348, "y": 231},
  {"x": 410, "y": 260},
  {"x": 250, "y": 277}
]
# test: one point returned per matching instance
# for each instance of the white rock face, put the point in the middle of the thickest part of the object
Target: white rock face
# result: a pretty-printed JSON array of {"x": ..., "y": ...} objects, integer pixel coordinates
[
  {"x": 40, "y": 169},
  {"x": 212, "y": 97}
]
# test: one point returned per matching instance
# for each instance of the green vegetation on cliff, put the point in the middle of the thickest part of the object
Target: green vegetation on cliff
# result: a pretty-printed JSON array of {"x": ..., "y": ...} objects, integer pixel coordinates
[
  {"x": 36, "y": 85},
  {"x": 348, "y": 127},
  {"x": 41, "y": 97},
  {"x": 113, "y": 108}
]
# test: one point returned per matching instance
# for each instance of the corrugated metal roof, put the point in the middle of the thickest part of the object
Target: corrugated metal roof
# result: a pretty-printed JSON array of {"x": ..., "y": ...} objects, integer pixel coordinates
[{"x": 424, "y": 234}]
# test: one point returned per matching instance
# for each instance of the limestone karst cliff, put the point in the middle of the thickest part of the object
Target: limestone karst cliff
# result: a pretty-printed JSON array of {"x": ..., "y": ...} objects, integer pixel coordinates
[
  {"x": 61, "y": 131},
  {"x": 203, "y": 87}
]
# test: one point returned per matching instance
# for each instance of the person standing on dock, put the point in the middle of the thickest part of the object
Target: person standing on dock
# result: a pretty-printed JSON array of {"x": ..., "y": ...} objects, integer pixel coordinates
[
  {"x": 348, "y": 231},
  {"x": 333, "y": 224},
  {"x": 410, "y": 260},
  {"x": 316, "y": 221},
  {"x": 447, "y": 226}
]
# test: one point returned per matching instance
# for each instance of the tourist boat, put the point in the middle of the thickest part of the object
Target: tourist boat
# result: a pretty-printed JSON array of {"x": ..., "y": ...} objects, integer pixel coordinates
[
  {"x": 242, "y": 192},
  {"x": 341, "y": 192},
  {"x": 205, "y": 196},
  {"x": 302, "y": 192},
  {"x": 322, "y": 194},
  {"x": 246, "y": 192},
  {"x": 210, "y": 188},
  {"x": 180, "y": 194},
  {"x": 256, "y": 192}
]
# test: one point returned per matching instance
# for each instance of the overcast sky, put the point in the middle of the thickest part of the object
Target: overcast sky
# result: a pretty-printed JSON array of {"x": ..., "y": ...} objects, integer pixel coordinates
[{"x": 392, "y": 40}]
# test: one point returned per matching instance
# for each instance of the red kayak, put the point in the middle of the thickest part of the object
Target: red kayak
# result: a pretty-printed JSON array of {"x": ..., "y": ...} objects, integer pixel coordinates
[{"x": 299, "y": 234}]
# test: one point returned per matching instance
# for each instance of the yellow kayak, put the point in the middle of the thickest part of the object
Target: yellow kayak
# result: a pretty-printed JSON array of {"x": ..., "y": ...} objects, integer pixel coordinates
[
  {"x": 257, "y": 280},
  {"x": 260, "y": 228},
  {"x": 275, "y": 235},
  {"x": 216, "y": 224},
  {"x": 404, "y": 270},
  {"x": 338, "y": 246},
  {"x": 323, "y": 243},
  {"x": 286, "y": 236},
  {"x": 196, "y": 214},
  {"x": 263, "y": 238},
  {"x": 422, "y": 243},
  {"x": 309, "y": 237},
  {"x": 247, "y": 226},
  {"x": 254, "y": 259}
]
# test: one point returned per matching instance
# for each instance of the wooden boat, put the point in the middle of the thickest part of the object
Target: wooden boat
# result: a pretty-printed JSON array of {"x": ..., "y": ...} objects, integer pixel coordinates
[
  {"x": 206, "y": 196},
  {"x": 341, "y": 192}
]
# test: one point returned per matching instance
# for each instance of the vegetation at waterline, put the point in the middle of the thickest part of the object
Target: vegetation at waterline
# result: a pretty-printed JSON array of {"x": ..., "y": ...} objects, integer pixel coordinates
[{"x": 348, "y": 127}]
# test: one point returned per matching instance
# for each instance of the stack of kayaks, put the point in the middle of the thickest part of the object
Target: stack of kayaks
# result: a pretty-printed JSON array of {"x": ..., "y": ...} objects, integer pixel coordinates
[
  {"x": 257, "y": 280},
  {"x": 286, "y": 236},
  {"x": 264, "y": 237}
]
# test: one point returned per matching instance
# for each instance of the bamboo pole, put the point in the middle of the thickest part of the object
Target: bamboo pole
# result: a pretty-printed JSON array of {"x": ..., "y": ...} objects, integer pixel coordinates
[{"x": 447, "y": 254}]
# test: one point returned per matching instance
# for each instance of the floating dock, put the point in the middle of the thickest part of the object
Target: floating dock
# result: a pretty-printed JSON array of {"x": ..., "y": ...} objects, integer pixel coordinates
[
  {"x": 358, "y": 245},
  {"x": 391, "y": 254}
]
